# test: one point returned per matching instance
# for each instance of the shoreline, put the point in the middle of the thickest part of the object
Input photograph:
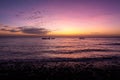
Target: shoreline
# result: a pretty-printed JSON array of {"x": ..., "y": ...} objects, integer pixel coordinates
[{"x": 101, "y": 69}]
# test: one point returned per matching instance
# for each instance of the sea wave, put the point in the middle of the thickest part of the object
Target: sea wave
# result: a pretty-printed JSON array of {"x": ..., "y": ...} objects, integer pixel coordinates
[
  {"x": 110, "y": 44},
  {"x": 81, "y": 51}
]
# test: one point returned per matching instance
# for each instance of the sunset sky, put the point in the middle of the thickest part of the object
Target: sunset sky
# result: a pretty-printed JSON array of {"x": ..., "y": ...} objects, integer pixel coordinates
[{"x": 60, "y": 17}]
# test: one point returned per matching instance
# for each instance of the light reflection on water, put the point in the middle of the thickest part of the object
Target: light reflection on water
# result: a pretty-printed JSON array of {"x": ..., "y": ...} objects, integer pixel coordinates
[{"x": 36, "y": 48}]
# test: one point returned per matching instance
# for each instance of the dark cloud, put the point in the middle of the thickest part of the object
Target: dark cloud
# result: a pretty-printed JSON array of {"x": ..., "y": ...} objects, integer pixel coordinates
[
  {"x": 10, "y": 30},
  {"x": 26, "y": 29},
  {"x": 3, "y": 29},
  {"x": 13, "y": 30},
  {"x": 5, "y": 26},
  {"x": 20, "y": 28},
  {"x": 35, "y": 30}
]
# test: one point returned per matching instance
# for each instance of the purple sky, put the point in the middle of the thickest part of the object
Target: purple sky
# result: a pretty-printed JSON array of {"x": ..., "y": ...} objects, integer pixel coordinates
[{"x": 60, "y": 17}]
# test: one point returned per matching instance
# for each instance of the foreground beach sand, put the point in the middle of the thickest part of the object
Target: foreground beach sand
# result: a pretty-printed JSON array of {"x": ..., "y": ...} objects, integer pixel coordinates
[{"x": 78, "y": 69}]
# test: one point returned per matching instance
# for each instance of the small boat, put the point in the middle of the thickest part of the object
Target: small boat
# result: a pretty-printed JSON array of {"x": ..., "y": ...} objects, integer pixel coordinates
[
  {"x": 81, "y": 38},
  {"x": 47, "y": 38},
  {"x": 52, "y": 38}
]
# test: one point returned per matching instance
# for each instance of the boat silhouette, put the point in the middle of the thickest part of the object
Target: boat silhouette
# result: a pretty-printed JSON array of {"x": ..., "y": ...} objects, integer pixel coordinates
[
  {"x": 81, "y": 38},
  {"x": 47, "y": 38}
]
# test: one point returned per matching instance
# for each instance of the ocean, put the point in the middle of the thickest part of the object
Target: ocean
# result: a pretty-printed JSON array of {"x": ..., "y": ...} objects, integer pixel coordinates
[{"x": 58, "y": 48}]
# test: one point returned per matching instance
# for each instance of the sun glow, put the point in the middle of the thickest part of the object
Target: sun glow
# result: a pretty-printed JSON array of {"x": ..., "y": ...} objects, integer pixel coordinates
[{"x": 67, "y": 31}]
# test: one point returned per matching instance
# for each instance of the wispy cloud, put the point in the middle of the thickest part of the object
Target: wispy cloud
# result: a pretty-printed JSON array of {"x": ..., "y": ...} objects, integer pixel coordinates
[{"x": 32, "y": 15}]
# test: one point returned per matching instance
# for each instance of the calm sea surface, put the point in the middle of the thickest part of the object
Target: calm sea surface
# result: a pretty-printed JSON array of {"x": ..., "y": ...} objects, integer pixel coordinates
[{"x": 36, "y": 48}]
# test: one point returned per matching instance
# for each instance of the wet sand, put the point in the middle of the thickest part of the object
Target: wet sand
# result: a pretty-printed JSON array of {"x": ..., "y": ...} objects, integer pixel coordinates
[{"x": 107, "y": 68}]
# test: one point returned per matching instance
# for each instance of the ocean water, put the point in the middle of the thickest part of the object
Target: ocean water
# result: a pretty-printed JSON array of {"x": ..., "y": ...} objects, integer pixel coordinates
[{"x": 62, "y": 48}]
